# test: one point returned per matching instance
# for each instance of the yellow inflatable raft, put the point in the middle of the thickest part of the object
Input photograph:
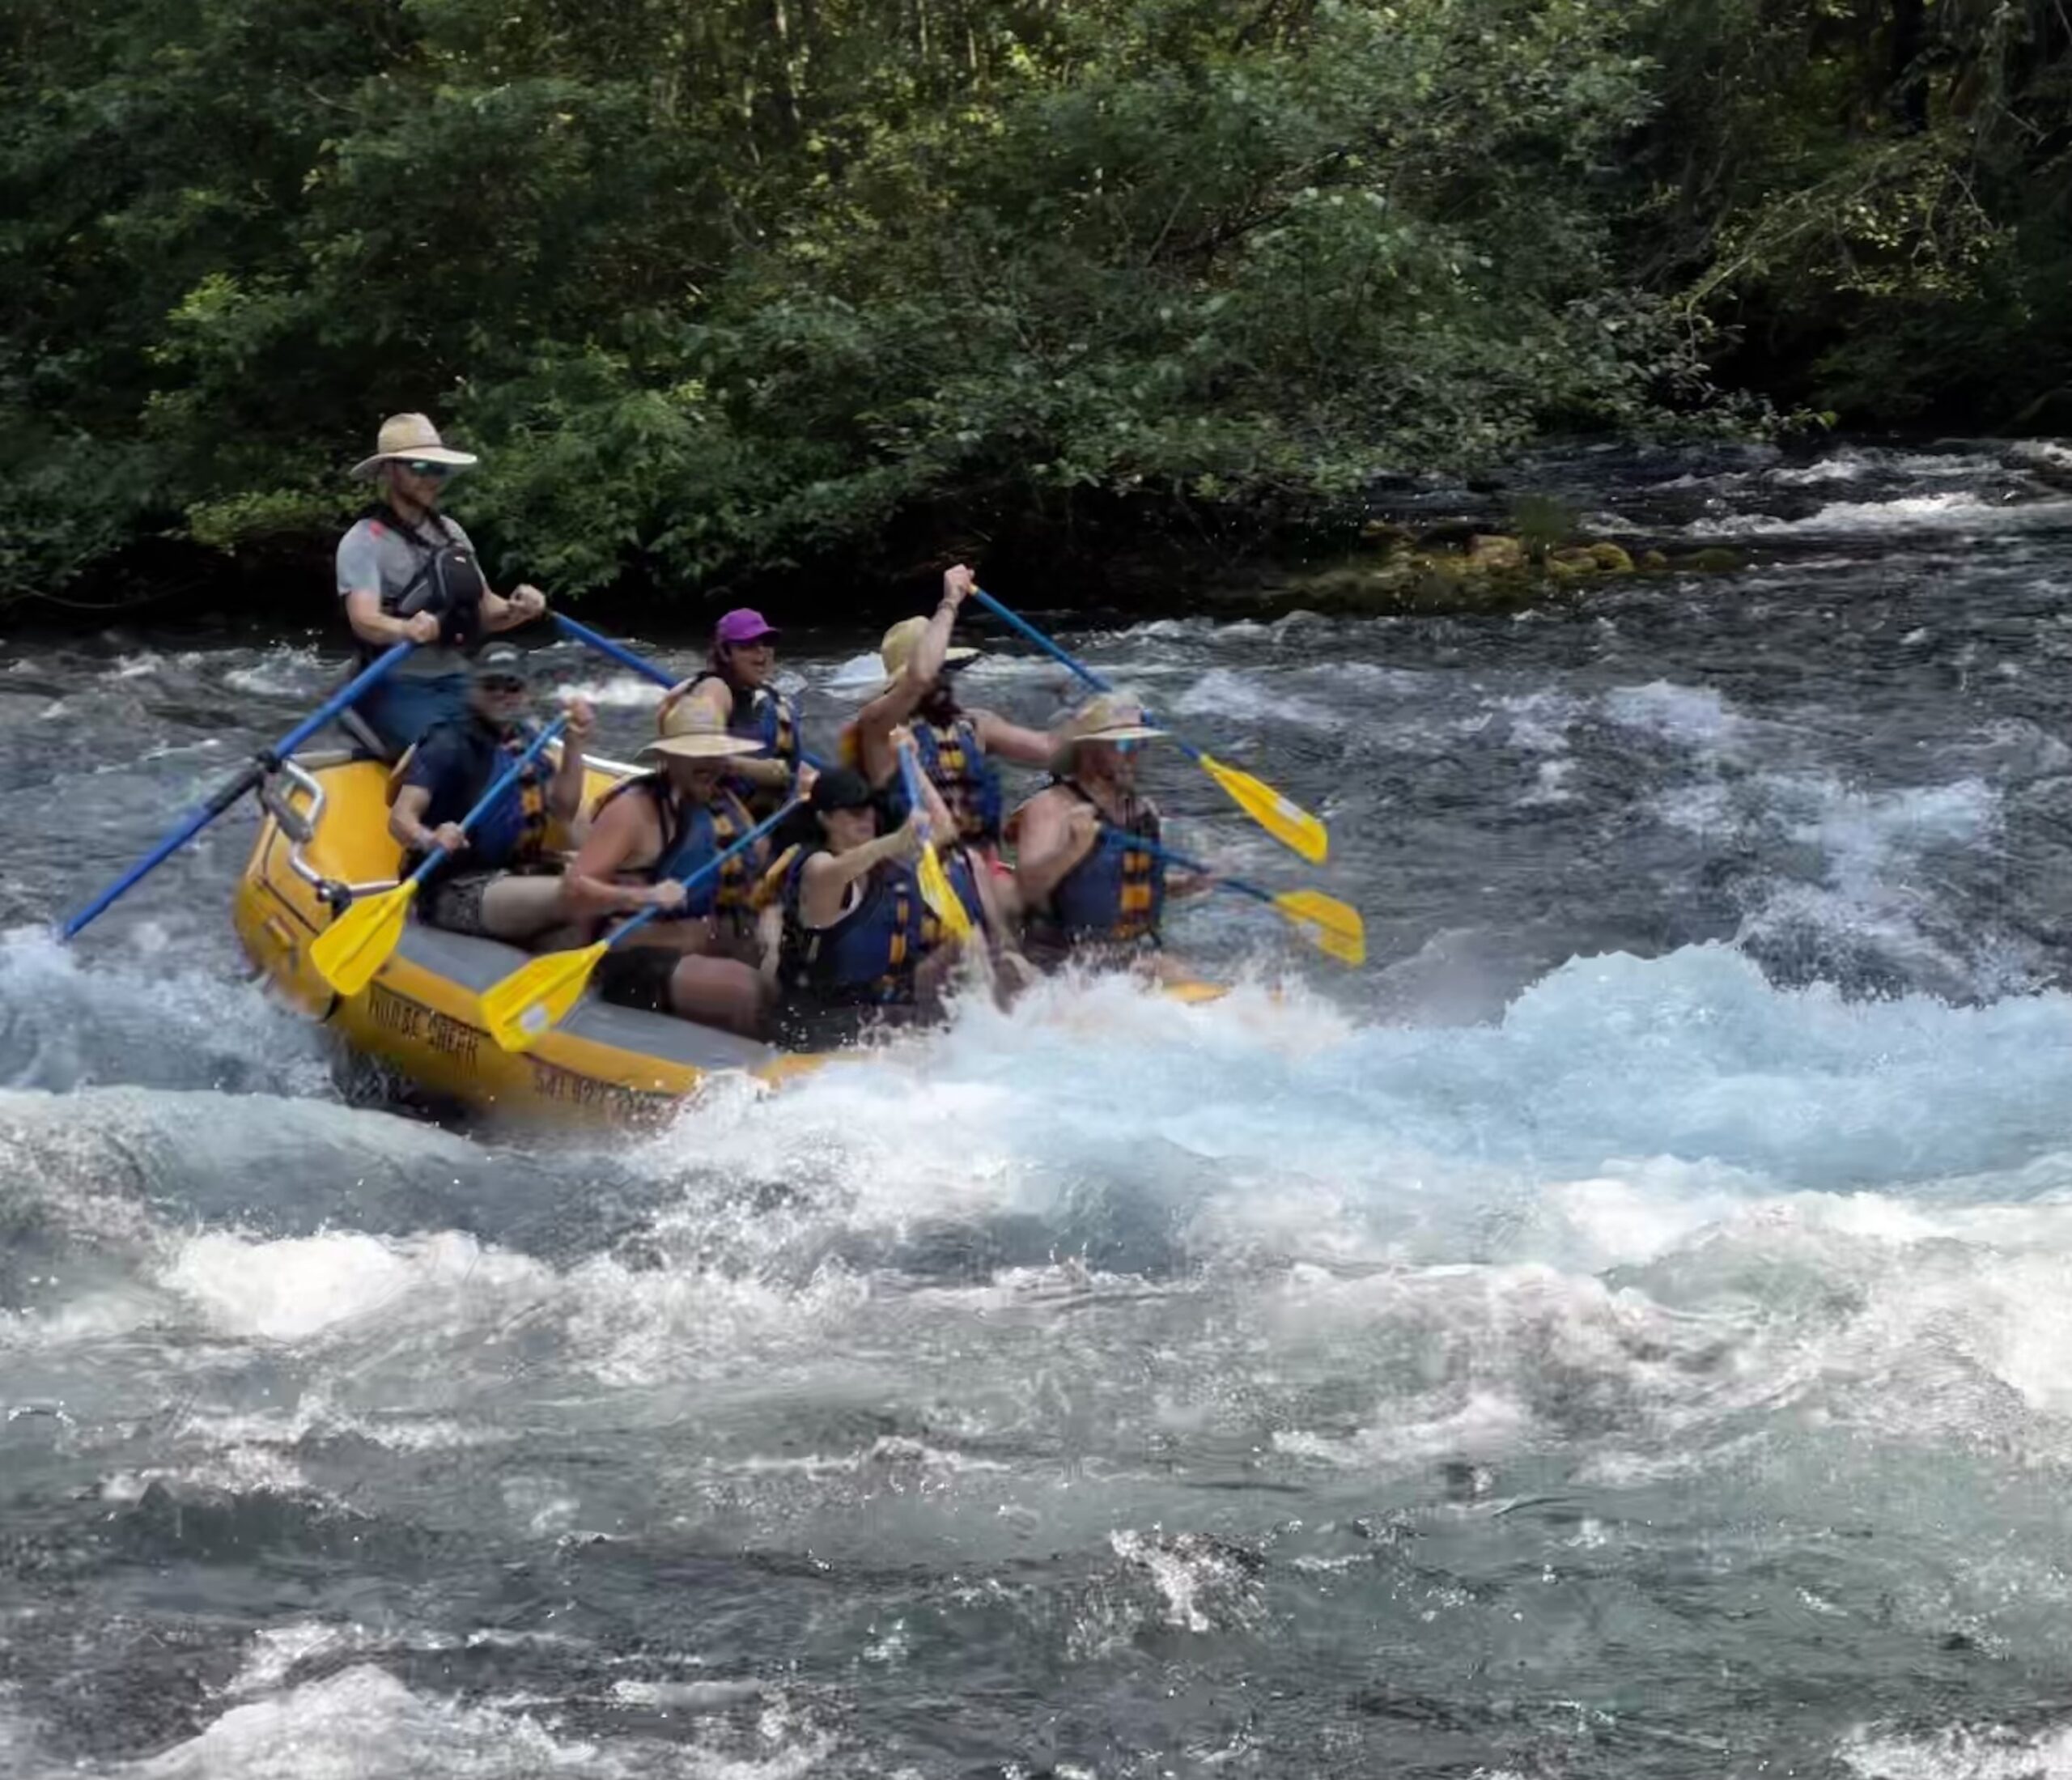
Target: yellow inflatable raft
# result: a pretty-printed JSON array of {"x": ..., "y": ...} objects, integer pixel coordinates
[{"x": 325, "y": 822}]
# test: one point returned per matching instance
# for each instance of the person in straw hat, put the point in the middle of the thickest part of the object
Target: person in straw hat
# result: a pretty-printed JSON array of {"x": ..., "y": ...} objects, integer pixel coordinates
[
  {"x": 502, "y": 880},
  {"x": 647, "y": 836},
  {"x": 407, "y": 573},
  {"x": 956, "y": 746},
  {"x": 1087, "y": 893}
]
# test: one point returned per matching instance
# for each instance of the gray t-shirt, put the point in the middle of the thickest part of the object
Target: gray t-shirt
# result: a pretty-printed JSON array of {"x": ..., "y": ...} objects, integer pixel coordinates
[{"x": 374, "y": 554}]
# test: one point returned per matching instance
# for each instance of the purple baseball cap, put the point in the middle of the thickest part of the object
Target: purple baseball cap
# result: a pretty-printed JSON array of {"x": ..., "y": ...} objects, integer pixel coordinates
[{"x": 742, "y": 625}]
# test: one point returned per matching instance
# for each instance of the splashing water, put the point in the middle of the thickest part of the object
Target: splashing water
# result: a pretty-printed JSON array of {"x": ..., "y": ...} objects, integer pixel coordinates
[{"x": 1620, "y": 1333}]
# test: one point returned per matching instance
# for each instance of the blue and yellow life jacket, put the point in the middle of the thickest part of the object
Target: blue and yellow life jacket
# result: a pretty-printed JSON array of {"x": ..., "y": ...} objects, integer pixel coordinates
[
  {"x": 693, "y": 836},
  {"x": 868, "y": 956},
  {"x": 951, "y": 755},
  {"x": 1116, "y": 895},
  {"x": 767, "y": 717},
  {"x": 514, "y": 830}
]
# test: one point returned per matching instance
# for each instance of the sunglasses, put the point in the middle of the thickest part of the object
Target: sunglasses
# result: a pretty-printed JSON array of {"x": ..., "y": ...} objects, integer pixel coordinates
[
  {"x": 437, "y": 472},
  {"x": 499, "y": 682}
]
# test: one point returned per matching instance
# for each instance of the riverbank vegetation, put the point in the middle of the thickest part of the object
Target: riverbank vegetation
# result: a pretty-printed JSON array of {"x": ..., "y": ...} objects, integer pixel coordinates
[{"x": 726, "y": 287}]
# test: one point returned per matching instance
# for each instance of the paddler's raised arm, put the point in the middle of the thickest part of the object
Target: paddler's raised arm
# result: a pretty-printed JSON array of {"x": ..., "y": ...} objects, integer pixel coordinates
[{"x": 876, "y": 720}]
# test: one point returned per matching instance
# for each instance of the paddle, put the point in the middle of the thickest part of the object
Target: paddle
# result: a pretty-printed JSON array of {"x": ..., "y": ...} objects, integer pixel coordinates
[
  {"x": 262, "y": 764},
  {"x": 526, "y": 1005},
  {"x": 639, "y": 664},
  {"x": 1333, "y": 927},
  {"x": 1293, "y": 827},
  {"x": 936, "y": 891},
  {"x": 348, "y": 951}
]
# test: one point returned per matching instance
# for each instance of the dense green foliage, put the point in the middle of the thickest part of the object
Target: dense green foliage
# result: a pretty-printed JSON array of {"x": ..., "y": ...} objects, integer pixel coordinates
[{"x": 723, "y": 284}]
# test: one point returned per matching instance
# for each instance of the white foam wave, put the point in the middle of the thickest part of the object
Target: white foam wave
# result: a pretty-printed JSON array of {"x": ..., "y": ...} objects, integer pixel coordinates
[
  {"x": 1240, "y": 696},
  {"x": 284, "y": 671},
  {"x": 616, "y": 692},
  {"x": 1958, "y": 511},
  {"x": 64, "y": 1022},
  {"x": 362, "y": 1723},
  {"x": 1694, "y": 716},
  {"x": 302, "y": 1288},
  {"x": 1961, "y": 1752}
]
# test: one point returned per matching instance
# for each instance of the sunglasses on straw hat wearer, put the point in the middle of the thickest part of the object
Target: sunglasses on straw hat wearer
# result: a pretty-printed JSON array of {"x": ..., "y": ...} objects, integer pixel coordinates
[{"x": 412, "y": 441}]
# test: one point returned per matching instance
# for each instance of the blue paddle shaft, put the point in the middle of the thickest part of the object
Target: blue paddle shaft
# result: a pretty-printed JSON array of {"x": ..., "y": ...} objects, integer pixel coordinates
[
  {"x": 1056, "y": 651},
  {"x": 503, "y": 783},
  {"x": 639, "y": 664},
  {"x": 199, "y": 819},
  {"x": 910, "y": 776},
  {"x": 705, "y": 871},
  {"x": 1188, "y": 864},
  {"x": 617, "y": 652}
]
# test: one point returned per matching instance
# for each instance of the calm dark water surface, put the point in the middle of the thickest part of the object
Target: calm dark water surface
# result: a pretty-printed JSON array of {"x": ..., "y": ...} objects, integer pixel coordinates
[{"x": 1624, "y": 1331}]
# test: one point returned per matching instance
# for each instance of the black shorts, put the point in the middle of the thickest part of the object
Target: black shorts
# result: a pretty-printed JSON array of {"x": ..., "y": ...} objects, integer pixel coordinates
[{"x": 638, "y": 976}]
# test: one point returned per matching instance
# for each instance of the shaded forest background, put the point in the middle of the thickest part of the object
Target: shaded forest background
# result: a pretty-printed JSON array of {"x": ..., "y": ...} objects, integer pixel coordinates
[{"x": 742, "y": 289}]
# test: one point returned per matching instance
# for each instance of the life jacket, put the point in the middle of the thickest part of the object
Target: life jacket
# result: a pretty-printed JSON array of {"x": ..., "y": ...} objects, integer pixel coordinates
[
  {"x": 448, "y": 583},
  {"x": 866, "y": 958},
  {"x": 767, "y": 717},
  {"x": 951, "y": 755},
  {"x": 513, "y": 830},
  {"x": 693, "y": 836},
  {"x": 1116, "y": 895}
]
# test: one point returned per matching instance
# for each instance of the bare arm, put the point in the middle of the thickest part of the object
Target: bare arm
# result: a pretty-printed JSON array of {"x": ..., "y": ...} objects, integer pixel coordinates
[
  {"x": 565, "y": 790},
  {"x": 1057, "y": 832},
  {"x": 826, "y": 876},
  {"x": 876, "y": 720},
  {"x": 1025, "y": 747},
  {"x": 618, "y": 833},
  {"x": 371, "y": 624},
  {"x": 525, "y": 603},
  {"x": 406, "y": 823}
]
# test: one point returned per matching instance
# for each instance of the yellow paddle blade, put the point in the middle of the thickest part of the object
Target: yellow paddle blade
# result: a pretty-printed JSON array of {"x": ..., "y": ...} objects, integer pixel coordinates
[
  {"x": 348, "y": 951},
  {"x": 1289, "y": 823},
  {"x": 535, "y": 998},
  {"x": 941, "y": 897},
  {"x": 1331, "y": 926}
]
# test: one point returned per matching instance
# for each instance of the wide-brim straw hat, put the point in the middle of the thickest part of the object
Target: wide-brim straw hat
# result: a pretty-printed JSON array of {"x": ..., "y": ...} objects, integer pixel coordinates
[
  {"x": 898, "y": 647},
  {"x": 410, "y": 436},
  {"x": 1110, "y": 716},
  {"x": 690, "y": 733}
]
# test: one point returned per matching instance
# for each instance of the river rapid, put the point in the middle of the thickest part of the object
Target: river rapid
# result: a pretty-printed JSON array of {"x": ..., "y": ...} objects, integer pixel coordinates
[{"x": 1625, "y": 1331}]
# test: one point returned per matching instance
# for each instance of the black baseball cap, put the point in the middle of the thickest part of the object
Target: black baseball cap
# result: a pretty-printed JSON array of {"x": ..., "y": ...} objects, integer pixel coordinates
[
  {"x": 500, "y": 661},
  {"x": 840, "y": 788}
]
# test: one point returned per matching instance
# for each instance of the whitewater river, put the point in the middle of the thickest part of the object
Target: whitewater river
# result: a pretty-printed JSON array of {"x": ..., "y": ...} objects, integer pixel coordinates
[{"x": 1626, "y": 1331}]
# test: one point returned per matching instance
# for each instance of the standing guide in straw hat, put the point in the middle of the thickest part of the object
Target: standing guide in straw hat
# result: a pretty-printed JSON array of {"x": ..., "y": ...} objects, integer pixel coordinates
[
  {"x": 955, "y": 746},
  {"x": 407, "y": 573},
  {"x": 647, "y": 836}
]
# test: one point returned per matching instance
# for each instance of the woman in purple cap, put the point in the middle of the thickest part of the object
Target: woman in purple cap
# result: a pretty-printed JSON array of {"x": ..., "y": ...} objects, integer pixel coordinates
[{"x": 737, "y": 688}]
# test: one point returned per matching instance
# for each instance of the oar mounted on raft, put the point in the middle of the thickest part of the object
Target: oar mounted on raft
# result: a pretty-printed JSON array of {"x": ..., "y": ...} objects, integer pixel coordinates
[
  {"x": 355, "y": 945},
  {"x": 1293, "y": 827},
  {"x": 266, "y": 762}
]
